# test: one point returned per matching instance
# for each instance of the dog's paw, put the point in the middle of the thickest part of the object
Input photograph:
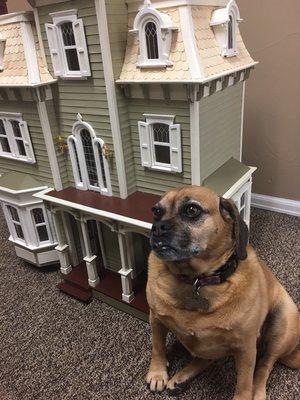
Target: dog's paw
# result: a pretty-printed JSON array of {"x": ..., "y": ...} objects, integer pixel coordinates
[
  {"x": 175, "y": 386},
  {"x": 157, "y": 380}
]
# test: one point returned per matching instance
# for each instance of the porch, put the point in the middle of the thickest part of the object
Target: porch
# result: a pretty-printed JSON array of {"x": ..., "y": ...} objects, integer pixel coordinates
[{"x": 103, "y": 246}]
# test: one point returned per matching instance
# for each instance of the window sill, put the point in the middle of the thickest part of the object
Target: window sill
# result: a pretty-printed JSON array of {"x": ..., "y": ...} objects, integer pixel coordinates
[
  {"x": 162, "y": 169},
  {"x": 32, "y": 247},
  {"x": 159, "y": 64},
  {"x": 230, "y": 53},
  {"x": 17, "y": 159},
  {"x": 73, "y": 77}
]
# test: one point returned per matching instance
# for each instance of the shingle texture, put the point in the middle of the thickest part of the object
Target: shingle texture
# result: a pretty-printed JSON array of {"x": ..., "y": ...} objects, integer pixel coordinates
[
  {"x": 211, "y": 60},
  {"x": 15, "y": 71}
]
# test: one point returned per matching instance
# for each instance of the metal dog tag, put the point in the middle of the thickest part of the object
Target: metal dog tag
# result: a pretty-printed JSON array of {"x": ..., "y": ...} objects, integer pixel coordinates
[{"x": 196, "y": 302}]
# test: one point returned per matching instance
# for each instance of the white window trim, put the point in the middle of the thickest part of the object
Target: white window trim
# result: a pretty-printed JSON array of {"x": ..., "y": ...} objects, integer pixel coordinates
[
  {"x": 164, "y": 29},
  {"x": 12, "y": 140},
  {"x": 74, "y": 142},
  {"x": 167, "y": 120},
  {"x": 31, "y": 239},
  {"x": 59, "y": 18},
  {"x": 46, "y": 224},
  {"x": 219, "y": 22}
]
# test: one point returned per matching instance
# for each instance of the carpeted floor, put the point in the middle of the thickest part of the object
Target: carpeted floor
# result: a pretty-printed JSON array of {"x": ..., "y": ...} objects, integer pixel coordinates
[{"x": 53, "y": 347}]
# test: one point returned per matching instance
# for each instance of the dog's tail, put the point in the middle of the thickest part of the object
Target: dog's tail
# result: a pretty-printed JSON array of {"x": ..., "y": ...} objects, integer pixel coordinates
[{"x": 292, "y": 360}]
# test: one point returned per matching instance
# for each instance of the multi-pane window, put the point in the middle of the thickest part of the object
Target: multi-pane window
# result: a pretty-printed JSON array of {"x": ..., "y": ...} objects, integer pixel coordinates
[
  {"x": 90, "y": 167},
  {"x": 15, "y": 140},
  {"x": 40, "y": 224},
  {"x": 151, "y": 40},
  {"x": 15, "y": 221},
  {"x": 28, "y": 225},
  {"x": 160, "y": 143},
  {"x": 67, "y": 45}
]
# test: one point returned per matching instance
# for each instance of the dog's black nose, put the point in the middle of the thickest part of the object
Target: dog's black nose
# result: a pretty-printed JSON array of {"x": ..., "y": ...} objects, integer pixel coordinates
[{"x": 161, "y": 227}]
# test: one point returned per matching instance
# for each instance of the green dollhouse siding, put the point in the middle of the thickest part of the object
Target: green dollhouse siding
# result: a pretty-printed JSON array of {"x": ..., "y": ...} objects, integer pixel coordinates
[
  {"x": 117, "y": 21},
  {"x": 84, "y": 96},
  {"x": 53, "y": 121},
  {"x": 220, "y": 128},
  {"x": 152, "y": 181},
  {"x": 41, "y": 169}
]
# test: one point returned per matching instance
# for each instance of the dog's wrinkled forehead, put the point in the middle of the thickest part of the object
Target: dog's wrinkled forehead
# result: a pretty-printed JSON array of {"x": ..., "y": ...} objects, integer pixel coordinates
[{"x": 174, "y": 199}]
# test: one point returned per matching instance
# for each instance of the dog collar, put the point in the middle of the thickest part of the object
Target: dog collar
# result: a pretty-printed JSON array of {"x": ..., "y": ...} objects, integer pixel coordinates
[{"x": 220, "y": 276}]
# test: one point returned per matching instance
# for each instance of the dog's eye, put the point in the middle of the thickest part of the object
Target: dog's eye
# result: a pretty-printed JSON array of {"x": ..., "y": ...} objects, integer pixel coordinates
[
  {"x": 192, "y": 210},
  {"x": 157, "y": 212}
]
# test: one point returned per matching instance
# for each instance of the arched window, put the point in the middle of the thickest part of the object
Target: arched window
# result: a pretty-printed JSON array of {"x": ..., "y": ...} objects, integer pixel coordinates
[
  {"x": 230, "y": 33},
  {"x": 151, "y": 40},
  {"x": 90, "y": 167}
]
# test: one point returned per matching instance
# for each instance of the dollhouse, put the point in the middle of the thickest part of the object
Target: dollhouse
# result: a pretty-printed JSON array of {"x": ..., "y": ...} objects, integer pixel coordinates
[{"x": 105, "y": 105}]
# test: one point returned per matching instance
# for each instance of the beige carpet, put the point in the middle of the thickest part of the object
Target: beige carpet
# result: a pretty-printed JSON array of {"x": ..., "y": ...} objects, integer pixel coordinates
[{"x": 53, "y": 347}]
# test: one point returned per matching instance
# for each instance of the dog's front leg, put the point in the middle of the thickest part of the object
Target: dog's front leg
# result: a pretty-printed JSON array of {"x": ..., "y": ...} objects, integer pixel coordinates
[
  {"x": 157, "y": 377},
  {"x": 245, "y": 364}
]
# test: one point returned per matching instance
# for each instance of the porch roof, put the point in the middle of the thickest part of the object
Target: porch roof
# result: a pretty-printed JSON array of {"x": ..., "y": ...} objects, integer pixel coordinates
[{"x": 135, "y": 210}]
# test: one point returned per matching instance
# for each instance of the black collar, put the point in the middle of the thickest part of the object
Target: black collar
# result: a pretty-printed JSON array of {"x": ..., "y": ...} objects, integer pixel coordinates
[{"x": 219, "y": 276}]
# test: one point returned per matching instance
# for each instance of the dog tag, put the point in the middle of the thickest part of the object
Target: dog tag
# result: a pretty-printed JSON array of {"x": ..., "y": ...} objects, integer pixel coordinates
[{"x": 196, "y": 302}]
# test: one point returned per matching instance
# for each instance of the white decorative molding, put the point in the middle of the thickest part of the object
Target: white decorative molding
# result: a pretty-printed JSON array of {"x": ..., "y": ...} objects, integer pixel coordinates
[
  {"x": 135, "y": 5},
  {"x": 189, "y": 40},
  {"x": 111, "y": 96},
  {"x": 30, "y": 53},
  {"x": 12, "y": 18},
  {"x": 195, "y": 142},
  {"x": 276, "y": 204},
  {"x": 242, "y": 120}
]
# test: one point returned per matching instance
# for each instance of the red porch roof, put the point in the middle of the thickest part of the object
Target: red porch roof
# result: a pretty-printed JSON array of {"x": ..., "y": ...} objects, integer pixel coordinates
[{"x": 137, "y": 206}]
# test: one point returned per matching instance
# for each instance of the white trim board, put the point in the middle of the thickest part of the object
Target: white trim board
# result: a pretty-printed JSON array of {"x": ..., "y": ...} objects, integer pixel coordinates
[{"x": 277, "y": 204}]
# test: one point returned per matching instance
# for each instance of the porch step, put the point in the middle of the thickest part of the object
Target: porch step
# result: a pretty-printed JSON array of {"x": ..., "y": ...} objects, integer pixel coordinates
[{"x": 76, "y": 292}]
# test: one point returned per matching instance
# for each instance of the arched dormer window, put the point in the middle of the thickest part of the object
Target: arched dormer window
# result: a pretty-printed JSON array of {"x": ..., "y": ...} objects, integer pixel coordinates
[
  {"x": 224, "y": 22},
  {"x": 151, "y": 40},
  {"x": 154, "y": 30},
  {"x": 90, "y": 167}
]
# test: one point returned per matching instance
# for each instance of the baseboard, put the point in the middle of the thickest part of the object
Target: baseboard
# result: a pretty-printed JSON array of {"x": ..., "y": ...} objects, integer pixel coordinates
[{"x": 277, "y": 204}]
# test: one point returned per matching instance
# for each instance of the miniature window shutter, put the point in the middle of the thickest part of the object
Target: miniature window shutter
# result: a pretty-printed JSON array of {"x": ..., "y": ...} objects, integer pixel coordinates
[
  {"x": 52, "y": 35},
  {"x": 27, "y": 142},
  {"x": 175, "y": 143},
  {"x": 144, "y": 134},
  {"x": 81, "y": 48}
]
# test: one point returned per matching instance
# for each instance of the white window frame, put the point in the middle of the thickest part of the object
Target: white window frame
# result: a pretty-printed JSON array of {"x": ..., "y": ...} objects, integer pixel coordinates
[
  {"x": 220, "y": 24},
  {"x": 242, "y": 199},
  {"x": 12, "y": 139},
  {"x": 27, "y": 223},
  {"x": 164, "y": 30},
  {"x": 46, "y": 223},
  {"x": 75, "y": 145},
  {"x": 57, "y": 47},
  {"x": 151, "y": 162}
]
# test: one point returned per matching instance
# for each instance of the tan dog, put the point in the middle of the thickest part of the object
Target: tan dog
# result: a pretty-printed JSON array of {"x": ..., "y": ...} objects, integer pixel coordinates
[{"x": 209, "y": 288}]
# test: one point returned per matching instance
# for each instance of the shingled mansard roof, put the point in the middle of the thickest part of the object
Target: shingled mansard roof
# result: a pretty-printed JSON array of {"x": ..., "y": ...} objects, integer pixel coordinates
[
  {"x": 195, "y": 52},
  {"x": 21, "y": 61}
]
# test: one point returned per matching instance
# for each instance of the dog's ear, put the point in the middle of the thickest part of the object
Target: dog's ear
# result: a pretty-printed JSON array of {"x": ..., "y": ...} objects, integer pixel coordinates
[{"x": 229, "y": 211}]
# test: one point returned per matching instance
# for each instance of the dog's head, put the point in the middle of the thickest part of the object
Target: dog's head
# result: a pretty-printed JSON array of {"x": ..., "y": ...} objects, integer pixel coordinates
[{"x": 193, "y": 222}]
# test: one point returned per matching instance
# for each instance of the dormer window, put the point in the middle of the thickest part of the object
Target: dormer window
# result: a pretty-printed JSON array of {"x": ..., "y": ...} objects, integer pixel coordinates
[
  {"x": 151, "y": 40},
  {"x": 224, "y": 22},
  {"x": 154, "y": 30}
]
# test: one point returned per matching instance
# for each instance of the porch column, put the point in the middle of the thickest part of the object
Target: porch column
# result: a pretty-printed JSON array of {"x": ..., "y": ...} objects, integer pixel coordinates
[
  {"x": 125, "y": 271},
  {"x": 90, "y": 258},
  {"x": 62, "y": 247}
]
